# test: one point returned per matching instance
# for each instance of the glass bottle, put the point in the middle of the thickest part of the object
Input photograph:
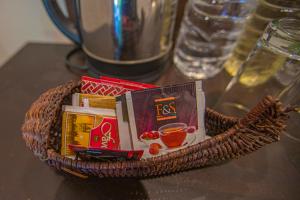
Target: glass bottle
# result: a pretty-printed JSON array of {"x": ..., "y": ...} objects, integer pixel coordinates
[
  {"x": 265, "y": 12},
  {"x": 271, "y": 68}
]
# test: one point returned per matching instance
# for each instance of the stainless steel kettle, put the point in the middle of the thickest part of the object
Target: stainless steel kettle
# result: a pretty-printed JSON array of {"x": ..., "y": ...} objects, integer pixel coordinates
[{"x": 124, "y": 38}]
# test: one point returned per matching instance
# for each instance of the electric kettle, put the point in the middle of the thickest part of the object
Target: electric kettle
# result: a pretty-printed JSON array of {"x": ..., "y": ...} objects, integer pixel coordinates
[{"x": 131, "y": 39}]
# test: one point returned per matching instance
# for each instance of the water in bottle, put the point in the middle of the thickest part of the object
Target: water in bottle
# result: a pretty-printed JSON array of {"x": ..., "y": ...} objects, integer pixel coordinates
[
  {"x": 207, "y": 35},
  {"x": 265, "y": 12}
]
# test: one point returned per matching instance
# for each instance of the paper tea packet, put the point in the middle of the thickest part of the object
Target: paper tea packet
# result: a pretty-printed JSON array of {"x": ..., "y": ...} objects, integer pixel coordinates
[
  {"x": 162, "y": 120},
  {"x": 93, "y": 100},
  {"x": 89, "y": 128}
]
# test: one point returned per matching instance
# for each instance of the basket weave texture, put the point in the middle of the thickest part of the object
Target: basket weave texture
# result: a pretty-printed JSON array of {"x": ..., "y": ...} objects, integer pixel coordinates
[{"x": 231, "y": 138}]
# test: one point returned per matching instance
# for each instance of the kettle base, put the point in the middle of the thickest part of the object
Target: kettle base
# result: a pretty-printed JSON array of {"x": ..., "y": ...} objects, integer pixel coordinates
[{"x": 144, "y": 72}]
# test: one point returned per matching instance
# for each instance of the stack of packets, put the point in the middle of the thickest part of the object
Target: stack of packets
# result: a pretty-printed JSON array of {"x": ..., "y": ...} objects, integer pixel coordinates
[
  {"x": 89, "y": 126},
  {"x": 114, "y": 119}
]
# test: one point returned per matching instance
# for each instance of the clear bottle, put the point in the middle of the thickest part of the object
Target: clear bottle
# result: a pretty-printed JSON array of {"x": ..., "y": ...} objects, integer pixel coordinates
[
  {"x": 265, "y": 12},
  {"x": 208, "y": 34}
]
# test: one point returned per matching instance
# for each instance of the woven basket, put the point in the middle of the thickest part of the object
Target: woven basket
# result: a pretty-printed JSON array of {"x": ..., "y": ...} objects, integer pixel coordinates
[{"x": 231, "y": 138}]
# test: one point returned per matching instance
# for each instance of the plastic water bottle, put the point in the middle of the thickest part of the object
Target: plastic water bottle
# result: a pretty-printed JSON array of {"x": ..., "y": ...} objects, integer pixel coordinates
[{"x": 208, "y": 33}]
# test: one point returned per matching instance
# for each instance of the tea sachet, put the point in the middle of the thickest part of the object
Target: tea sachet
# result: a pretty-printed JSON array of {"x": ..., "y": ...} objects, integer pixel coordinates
[
  {"x": 92, "y": 100},
  {"x": 162, "y": 120},
  {"x": 103, "y": 154},
  {"x": 137, "y": 85},
  {"x": 110, "y": 86},
  {"x": 89, "y": 127}
]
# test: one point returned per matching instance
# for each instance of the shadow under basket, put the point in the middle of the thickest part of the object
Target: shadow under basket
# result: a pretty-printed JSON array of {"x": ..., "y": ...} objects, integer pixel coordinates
[{"x": 231, "y": 138}]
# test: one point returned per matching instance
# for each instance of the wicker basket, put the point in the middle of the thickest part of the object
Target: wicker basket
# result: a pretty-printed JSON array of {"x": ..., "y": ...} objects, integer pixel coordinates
[{"x": 231, "y": 138}]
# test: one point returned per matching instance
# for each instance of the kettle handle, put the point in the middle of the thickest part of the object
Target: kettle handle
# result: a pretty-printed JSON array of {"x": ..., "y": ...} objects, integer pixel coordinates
[{"x": 67, "y": 27}]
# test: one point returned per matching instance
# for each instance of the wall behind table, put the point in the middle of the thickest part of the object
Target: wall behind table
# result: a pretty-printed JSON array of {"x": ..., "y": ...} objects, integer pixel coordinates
[{"x": 24, "y": 21}]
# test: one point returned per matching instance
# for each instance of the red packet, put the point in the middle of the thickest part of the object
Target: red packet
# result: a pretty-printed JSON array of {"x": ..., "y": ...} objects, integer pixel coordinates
[
  {"x": 102, "y": 153},
  {"x": 110, "y": 86},
  {"x": 105, "y": 135},
  {"x": 126, "y": 82}
]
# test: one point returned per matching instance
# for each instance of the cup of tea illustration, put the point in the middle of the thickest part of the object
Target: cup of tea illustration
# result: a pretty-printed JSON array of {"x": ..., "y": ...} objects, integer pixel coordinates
[{"x": 174, "y": 134}]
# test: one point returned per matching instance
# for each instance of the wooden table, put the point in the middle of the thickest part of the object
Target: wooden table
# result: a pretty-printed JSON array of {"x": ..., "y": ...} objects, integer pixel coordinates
[{"x": 270, "y": 173}]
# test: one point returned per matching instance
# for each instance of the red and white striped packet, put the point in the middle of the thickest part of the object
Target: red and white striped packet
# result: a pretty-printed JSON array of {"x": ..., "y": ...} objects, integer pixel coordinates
[{"x": 108, "y": 86}]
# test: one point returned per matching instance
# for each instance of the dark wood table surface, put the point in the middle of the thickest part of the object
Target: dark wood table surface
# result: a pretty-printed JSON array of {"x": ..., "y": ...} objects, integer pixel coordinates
[{"x": 270, "y": 173}]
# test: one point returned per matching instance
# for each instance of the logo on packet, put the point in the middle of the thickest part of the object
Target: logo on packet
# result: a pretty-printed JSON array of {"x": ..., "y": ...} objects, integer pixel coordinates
[
  {"x": 105, "y": 135},
  {"x": 165, "y": 108}
]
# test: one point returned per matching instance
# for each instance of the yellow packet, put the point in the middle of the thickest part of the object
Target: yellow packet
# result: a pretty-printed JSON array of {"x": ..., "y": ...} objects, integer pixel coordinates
[
  {"x": 92, "y": 100},
  {"x": 77, "y": 125}
]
